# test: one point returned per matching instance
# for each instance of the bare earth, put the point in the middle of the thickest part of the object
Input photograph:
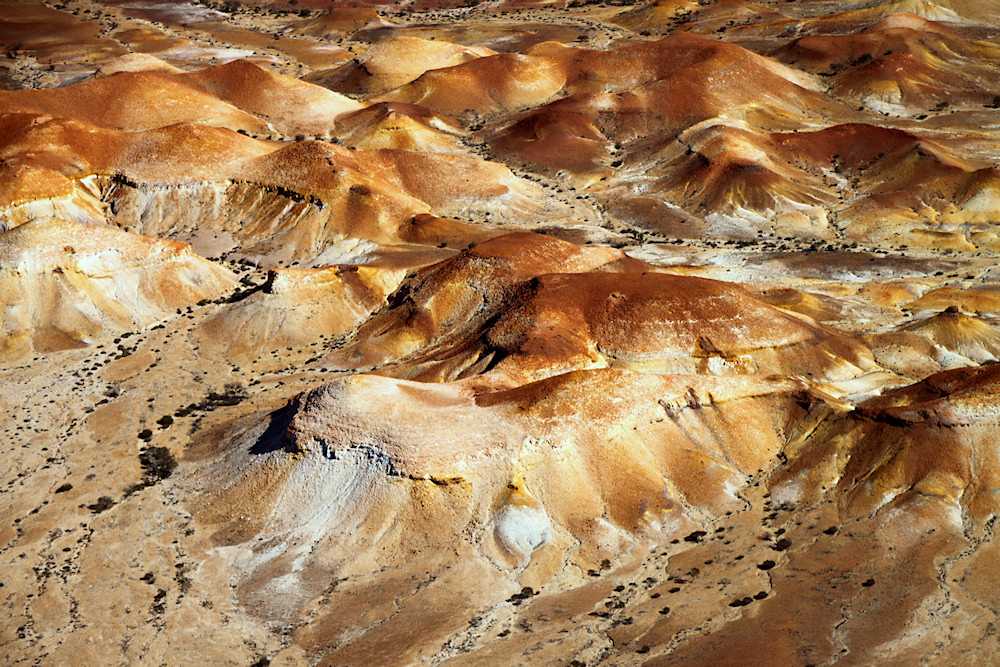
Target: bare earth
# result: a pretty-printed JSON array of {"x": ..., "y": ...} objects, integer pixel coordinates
[{"x": 518, "y": 333}]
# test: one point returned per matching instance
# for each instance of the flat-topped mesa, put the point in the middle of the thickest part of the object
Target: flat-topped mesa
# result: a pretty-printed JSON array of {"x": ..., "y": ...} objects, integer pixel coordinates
[
  {"x": 449, "y": 303},
  {"x": 667, "y": 324},
  {"x": 283, "y": 203},
  {"x": 896, "y": 32},
  {"x": 965, "y": 13},
  {"x": 903, "y": 81},
  {"x": 90, "y": 250},
  {"x": 45, "y": 155},
  {"x": 66, "y": 285}
]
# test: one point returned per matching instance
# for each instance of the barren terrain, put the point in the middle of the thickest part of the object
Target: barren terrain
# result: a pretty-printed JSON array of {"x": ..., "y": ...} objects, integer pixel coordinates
[{"x": 515, "y": 332}]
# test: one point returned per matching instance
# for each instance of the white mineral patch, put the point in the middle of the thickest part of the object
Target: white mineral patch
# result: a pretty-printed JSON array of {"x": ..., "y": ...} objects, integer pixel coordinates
[{"x": 521, "y": 529}]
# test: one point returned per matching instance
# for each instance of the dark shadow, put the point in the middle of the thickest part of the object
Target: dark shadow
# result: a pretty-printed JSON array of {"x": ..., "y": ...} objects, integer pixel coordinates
[{"x": 275, "y": 437}]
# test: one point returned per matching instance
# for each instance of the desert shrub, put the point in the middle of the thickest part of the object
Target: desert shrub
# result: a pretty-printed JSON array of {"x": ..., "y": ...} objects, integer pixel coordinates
[{"x": 157, "y": 463}]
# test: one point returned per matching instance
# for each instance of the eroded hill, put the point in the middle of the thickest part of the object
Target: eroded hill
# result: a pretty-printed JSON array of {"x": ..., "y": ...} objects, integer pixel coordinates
[{"x": 513, "y": 333}]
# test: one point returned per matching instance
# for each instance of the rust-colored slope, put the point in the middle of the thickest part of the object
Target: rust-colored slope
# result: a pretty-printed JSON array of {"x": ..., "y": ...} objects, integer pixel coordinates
[
  {"x": 902, "y": 80},
  {"x": 663, "y": 323},
  {"x": 449, "y": 303},
  {"x": 239, "y": 96},
  {"x": 533, "y": 313}
]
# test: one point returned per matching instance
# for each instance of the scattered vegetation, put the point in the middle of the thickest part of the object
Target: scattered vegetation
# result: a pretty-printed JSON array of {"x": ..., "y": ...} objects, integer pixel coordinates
[
  {"x": 232, "y": 394},
  {"x": 157, "y": 464},
  {"x": 103, "y": 503}
]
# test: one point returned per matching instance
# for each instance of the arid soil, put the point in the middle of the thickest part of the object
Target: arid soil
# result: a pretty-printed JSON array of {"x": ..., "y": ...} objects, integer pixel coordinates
[{"x": 518, "y": 332}]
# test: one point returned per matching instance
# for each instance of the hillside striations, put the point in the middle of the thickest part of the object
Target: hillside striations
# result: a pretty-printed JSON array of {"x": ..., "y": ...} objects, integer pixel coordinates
[{"x": 577, "y": 333}]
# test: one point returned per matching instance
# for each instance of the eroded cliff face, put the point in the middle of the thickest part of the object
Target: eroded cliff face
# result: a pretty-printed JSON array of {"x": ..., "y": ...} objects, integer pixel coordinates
[{"x": 507, "y": 334}]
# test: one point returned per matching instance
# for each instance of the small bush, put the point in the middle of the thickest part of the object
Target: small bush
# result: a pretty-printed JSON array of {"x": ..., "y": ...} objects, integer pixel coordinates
[
  {"x": 103, "y": 503},
  {"x": 157, "y": 463}
]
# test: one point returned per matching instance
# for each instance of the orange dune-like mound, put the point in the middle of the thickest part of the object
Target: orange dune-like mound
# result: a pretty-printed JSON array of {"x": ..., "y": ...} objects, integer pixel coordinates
[
  {"x": 239, "y": 96},
  {"x": 290, "y": 106},
  {"x": 137, "y": 107},
  {"x": 136, "y": 62},
  {"x": 946, "y": 340},
  {"x": 726, "y": 168},
  {"x": 485, "y": 86},
  {"x": 396, "y": 125},
  {"x": 902, "y": 78},
  {"x": 340, "y": 19},
  {"x": 73, "y": 149},
  {"x": 396, "y": 62}
]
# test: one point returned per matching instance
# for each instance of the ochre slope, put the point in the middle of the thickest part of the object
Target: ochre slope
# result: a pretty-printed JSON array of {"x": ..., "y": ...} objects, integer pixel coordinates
[
  {"x": 296, "y": 307},
  {"x": 348, "y": 479},
  {"x": 516, "y": 305},
  {"x": 395, "y": 62},
  {"x": 934, "y": 441},
  {"x": 397, "y": 125},
  {"x": 66, "y": 285},
  {"x": 239, "y": 96}
]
